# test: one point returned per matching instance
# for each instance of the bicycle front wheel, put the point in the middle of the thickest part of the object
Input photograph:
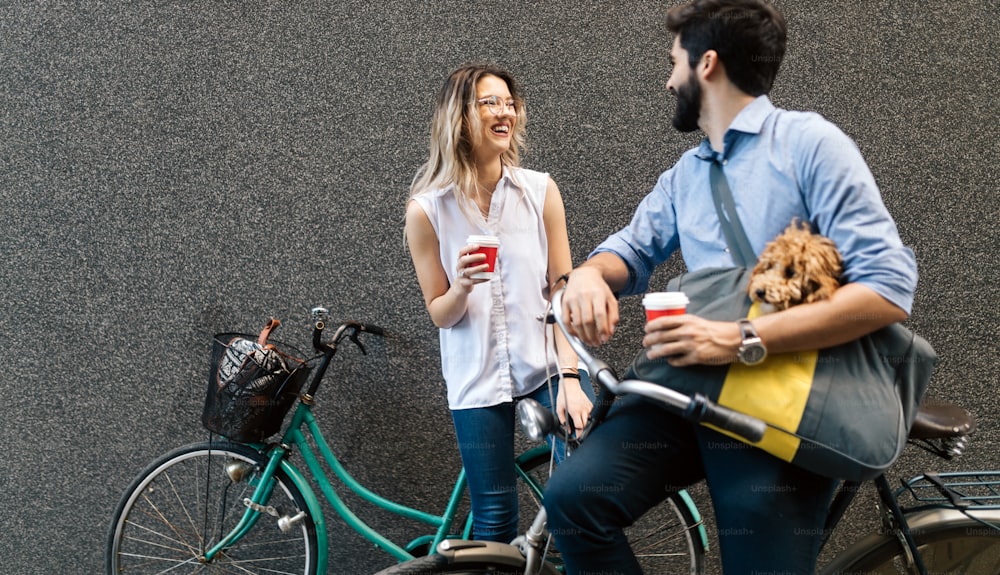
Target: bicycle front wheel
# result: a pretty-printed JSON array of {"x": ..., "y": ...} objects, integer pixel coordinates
[
  {"x": 957, "y": 547},
  {"x": 189, "y": 499}
]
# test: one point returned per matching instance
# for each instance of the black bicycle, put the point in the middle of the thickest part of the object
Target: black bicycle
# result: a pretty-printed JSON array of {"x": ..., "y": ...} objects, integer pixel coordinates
[{"x": 947, "y": 523}]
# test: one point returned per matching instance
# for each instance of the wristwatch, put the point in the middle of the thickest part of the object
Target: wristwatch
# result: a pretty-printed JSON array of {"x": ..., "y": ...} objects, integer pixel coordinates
[{"x": 752, "y": 350}]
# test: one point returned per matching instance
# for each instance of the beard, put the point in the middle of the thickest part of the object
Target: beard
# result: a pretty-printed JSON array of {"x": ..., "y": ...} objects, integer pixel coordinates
[{"x": 688, "y": 106}]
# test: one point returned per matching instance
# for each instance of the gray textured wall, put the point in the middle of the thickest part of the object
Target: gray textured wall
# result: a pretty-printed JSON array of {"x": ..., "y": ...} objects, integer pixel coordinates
[{"x": 173, "y": 169}]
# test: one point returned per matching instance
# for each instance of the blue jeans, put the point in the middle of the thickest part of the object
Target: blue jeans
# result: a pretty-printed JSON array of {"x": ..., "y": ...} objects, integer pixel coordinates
[
  {"x": 486, "y": 442},
  {"x": 770, "y": 514}
]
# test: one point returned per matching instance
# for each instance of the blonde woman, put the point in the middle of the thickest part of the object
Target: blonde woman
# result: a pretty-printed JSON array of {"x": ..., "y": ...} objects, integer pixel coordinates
[{"x": 494, "y": 351}]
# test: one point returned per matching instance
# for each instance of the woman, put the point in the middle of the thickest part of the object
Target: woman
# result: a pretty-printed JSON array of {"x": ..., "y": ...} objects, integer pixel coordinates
[{"x": 494, "y": 351}]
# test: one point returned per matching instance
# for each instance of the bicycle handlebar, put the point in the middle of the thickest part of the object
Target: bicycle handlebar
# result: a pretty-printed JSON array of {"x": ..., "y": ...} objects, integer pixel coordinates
[
  {"x": 359, "y": 327},
  {"x": 695, "y": 408},
  {"x": 327, "y": 349},
  {"x": 349, "y": 329}
]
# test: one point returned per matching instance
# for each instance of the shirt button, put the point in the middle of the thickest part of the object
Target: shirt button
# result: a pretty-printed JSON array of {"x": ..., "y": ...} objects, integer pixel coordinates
[{"x": 725, "y": 162}]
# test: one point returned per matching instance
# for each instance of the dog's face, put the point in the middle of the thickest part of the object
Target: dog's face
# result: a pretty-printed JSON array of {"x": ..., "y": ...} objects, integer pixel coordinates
[{"x": 797, "y": 267}]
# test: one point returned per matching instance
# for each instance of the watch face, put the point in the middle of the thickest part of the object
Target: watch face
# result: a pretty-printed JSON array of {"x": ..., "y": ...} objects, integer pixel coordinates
[{"x": 753, "y": 353}]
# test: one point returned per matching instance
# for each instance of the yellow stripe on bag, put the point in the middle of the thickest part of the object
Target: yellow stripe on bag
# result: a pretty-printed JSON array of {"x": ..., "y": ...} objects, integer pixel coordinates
[{"x": 776, "y": 391}]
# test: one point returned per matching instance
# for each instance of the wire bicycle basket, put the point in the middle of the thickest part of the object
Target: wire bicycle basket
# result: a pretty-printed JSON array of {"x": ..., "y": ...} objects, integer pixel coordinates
[{"x": 252, "y": 383}]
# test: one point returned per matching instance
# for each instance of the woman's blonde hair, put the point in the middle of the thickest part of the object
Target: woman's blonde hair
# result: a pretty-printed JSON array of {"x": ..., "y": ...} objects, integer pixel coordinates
[{"x": 456, "y": 131}]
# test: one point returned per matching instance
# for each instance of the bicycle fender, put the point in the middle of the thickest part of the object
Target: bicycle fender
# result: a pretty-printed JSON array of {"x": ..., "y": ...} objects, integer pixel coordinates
[
  {"x": 462, "y": 551},
  {"x": 927, "y": 521}
]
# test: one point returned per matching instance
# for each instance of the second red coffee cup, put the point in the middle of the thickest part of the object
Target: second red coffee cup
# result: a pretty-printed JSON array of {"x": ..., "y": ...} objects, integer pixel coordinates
[
  {"x": 488, "y": 245},
  {"x": 663, "y": 303}
]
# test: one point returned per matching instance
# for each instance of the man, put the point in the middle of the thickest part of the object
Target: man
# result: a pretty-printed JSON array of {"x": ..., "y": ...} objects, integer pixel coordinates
[{"x": 779, "y": 165}]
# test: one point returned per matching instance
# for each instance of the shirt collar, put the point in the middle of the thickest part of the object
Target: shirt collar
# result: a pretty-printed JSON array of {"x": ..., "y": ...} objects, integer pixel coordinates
[
  {"x": 507, "y": 175},
  {"x": 750, "y": 120}
]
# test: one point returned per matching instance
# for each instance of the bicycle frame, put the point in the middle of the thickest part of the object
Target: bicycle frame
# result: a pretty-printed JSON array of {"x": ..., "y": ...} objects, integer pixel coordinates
[
  {"x": 304, "y": 431},
  {"x": 304, "y": 426}
]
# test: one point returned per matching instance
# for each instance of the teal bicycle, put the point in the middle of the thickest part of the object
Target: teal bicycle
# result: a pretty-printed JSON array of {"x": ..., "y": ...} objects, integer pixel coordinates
[{"x": 243, "y": 506}]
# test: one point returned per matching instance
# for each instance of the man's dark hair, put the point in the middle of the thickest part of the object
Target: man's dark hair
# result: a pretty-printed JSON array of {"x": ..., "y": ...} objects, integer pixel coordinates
[{"x": 748, "y": 35}]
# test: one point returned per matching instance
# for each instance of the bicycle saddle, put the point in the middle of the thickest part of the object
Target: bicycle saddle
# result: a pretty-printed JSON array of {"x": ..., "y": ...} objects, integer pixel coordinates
[{"x": 941, "y": 421}]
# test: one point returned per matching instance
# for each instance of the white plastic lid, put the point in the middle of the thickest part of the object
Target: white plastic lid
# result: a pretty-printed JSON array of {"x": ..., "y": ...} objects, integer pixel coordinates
[
  {"x": 665, "y": 300},
  {"x": 483, "y": 240}
]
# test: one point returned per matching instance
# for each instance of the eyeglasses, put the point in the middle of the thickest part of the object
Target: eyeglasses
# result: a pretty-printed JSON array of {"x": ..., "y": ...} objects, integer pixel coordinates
[{"x": 497, "y": 105}]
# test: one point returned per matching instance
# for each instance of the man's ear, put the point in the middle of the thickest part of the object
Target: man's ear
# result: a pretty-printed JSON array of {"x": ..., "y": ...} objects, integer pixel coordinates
[{"x": 709, "y": 64}]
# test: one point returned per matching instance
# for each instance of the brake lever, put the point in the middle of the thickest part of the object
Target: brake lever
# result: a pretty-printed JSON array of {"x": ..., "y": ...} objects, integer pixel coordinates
[
  {"x": 546, "y": 318},
  {"x": 572, "y": 437},
  {"x": 354, "y": 338}
]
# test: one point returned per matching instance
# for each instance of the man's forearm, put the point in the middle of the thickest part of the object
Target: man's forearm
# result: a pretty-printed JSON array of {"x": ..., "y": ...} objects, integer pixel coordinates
[
  {"x": 611, "y": 268},
  {"x": 853, "y": 311}
]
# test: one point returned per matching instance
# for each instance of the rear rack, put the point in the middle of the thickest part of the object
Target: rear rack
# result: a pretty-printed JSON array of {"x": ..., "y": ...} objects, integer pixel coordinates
[{"x": 969, "y": 490}]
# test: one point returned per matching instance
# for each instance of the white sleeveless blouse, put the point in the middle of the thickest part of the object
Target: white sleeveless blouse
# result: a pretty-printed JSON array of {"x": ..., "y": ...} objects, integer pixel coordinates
[{"x": 498, "y": 350}]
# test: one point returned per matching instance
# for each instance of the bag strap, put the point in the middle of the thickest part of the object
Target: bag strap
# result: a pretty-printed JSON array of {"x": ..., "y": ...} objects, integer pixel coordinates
[
  {"x": 272, "y": 324},
  {"x": 736, "y": 237}
]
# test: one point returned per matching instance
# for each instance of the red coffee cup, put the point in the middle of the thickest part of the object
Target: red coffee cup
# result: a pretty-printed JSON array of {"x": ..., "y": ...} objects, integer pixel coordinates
[
  {"x": 487, "y": 245},
  {"x": 659, "y": 304}
]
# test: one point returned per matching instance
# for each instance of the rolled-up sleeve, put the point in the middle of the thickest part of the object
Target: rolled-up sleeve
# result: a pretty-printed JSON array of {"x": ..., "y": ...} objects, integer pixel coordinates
[{"x": 846, "y": 205}]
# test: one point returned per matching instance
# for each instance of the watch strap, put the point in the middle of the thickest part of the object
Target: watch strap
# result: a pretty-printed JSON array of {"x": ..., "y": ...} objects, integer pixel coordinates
[{"x": 747, "y": 330}]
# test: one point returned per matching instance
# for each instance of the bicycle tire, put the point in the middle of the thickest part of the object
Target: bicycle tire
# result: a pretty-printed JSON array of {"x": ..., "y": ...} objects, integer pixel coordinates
[
  {"x": 185, "y": 501},
  {"x": 959, "y": 545}
]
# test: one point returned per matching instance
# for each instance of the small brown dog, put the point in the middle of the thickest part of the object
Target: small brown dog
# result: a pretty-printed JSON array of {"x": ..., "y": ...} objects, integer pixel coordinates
[{"x": 796, "y": 267}]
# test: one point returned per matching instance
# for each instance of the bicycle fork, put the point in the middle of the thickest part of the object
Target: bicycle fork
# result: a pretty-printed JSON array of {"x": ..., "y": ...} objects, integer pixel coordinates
[
  {"x": 531, "y": 544},
  {"x": 285, "y": 523},
  {"x": 256, "y": 507}
]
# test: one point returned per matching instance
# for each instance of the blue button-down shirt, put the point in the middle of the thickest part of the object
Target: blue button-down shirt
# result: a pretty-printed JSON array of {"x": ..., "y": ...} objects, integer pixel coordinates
[{"x": 780, "y": 165}]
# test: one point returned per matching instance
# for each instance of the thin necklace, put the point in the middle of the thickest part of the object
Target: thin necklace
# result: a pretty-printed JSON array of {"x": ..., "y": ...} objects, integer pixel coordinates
[{"x": 483, "y": 193}]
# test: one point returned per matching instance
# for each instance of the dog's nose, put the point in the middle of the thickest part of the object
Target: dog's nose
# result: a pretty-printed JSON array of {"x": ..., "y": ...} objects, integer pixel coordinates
[{"x": 760, "y": 293}]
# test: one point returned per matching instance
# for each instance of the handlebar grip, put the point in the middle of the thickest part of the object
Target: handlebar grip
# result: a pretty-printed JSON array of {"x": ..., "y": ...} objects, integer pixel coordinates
[
  {"x": 746, "y": 426},
  {"x": 372, "y": 329}
]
